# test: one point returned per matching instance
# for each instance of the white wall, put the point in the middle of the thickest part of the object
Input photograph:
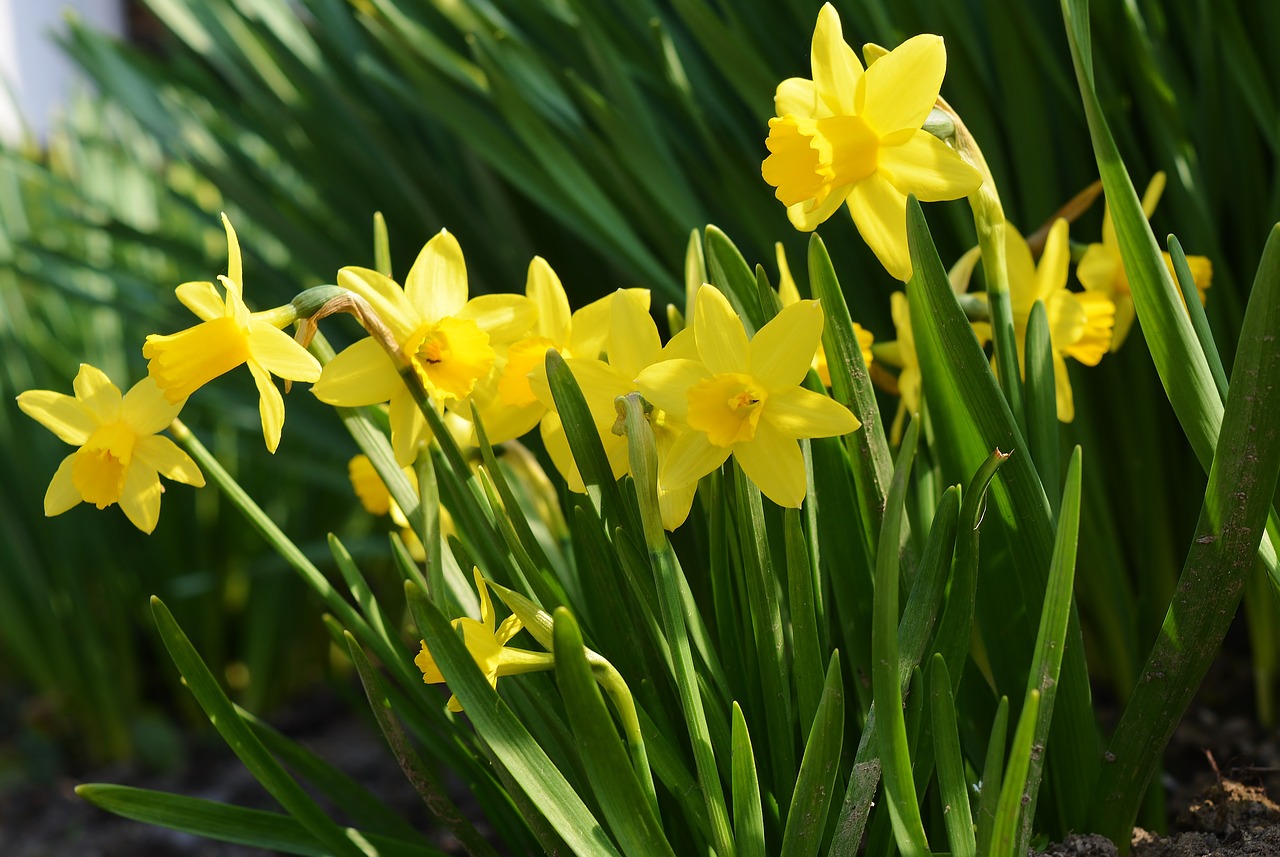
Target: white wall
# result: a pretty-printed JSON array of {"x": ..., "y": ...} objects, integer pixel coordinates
[{"x": 36, "y": 76}]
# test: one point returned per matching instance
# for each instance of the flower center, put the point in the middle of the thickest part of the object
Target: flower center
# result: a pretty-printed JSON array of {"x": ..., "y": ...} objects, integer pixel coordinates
[
  {"x": 727, "y": 408},
  {"x": 811, "y": 157},
  {"x": 185, "y": 361},
  {"x": 449, "y": 356},
  {"x": 99, "y": 467}
]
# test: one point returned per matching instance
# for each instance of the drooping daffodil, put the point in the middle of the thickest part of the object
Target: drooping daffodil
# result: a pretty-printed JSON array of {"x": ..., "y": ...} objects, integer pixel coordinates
[
  {"x": 1080, "y": 323},
  {"x": 446, "y": 340},
  {"x": 120, "y": 456},
  {"x": 855, "y": 136},
  {"x": 488, "y": 646},
  {"x": 1101, "y": 269},
  {"x": 634, "y": 346},
  {"x": 227, "y": 336},
  {"x": 742, "y": 397}
]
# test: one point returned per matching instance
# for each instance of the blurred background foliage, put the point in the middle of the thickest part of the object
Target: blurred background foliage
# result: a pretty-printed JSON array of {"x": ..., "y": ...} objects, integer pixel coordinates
[{"x": 596, "y": 133}]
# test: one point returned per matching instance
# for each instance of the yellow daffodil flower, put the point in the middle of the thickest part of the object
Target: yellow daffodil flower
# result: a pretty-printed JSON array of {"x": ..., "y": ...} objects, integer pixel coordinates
[
  {"x": 1101, "y": 269},
  {"x": 487, "y": 646},
  {"x": 121, "y": 456},
  {"x": 228, "y": 336},
  {"x": 853, "y": 135},
  {"x": 507, "y": 404},
  {"x": 742, "y": 398},
  {"x": 902, "y": 354},
  {"x": 446, "y": 339},
  {"x": 634, "y": 346},
  {"x": 788, "y": 294},
  {"x": 1080, "y": 323}
]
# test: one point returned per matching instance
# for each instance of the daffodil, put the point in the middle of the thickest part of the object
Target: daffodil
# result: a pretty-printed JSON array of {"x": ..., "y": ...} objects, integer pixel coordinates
[
  {"x": 1101, "y": 269},
  {"x": 1080, "y": 323},
  {"x": 506, "y": 402},
  {"x": 487, "y": 646},
  {"x": 120, "y": 456},
  {"x": 228, "y": 336},
  {"x": 853, "y": 135},
  {"x": 634, "y": 346},
  {"x": 788, "y": 294},
  {"x": 743, "y": 398},
  {"x": 446, "y": 340}
]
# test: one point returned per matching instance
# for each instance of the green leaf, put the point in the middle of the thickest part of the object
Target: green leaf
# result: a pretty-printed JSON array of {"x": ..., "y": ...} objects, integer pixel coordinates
[
  {"x": 807, "y": 656},
  {"x": 992, "y": 777},
  {"x": 244, "y": 743},
  {"x": 730, "y": 273},
  {"x": 899, "y": 787},
  {"x": 631, "y": 816},
  {"x": 252, "y": 827},
  {"x": 952, "y": 785},
  {"x": 1237, "y": 501},
  {"x": 1013, "y": 798},
  {"x": 1041, "y": 403},
  {"x": 748, "y": 819},
  {"x": 807, "y": 820}
]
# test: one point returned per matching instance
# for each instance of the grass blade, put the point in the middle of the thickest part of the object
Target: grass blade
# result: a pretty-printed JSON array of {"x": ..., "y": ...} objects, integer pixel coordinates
[
  {"x": 807, "y": 820},
  {"x": 952, "y": 787},
  {"x": 748, "y": 819}
]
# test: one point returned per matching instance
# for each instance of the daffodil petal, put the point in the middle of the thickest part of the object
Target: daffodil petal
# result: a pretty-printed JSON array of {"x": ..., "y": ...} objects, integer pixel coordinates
[
  {"x": 600, "y": 384},
  {"x": 509, "y": 628},
  {"x": 1021, "y": 269},
  {"x": 503, "y": 422},
  {"x": 775, "y": 464},
  {"x": 590, "y": 327},
  {"x": 836, "y": 69},
  {"x": 682, "y": 346},
  {"x": 556, "y": 443},
  {"x": 430, "y": 672},
  {"x": 879, "y": 211},
  {"x": 796, "y": 95},
  {"x": 1124, "y": 321},
  {"x": 270, "y": 405},
  {"x": 666, "y": 384},
  {"x": 1151, "y": 196},
  {"x": 782, "y": 351},
  {"x": 362, "y": 374},
  {"x": 929, "y": 168},
  {"x": 235, "y": 267},
  {"x": 798, "y": 413},
  {"x": 674, "y": 505},
  {"x": 1062, "y": 390},
  {"x": 61, "y": 414},
  {"x": 146, "y": 409},
  {"x": 692, "y": 457},
  {"x": 505, "y": 318},
  {"x": 1051, "y": 274},
  {"x": 385, "y": 297},
  {"x": 898, "y": 90},
  {"x": 408, "y": 427},
  {"x": 806, "y": 217},
  {"x": 202, "y": 299},
  {"x": 140, "y": 496},
  {"x": 634, "y": 343},
  {"x": 62, "y": 493},
  {"x": 280, "y": 354},
  {"x": 722, "y": 343},
  {"x": 96, "y": 392},
  {"x": 164, "y": 456},
  {"x": 437, "y": 283},
  {"x": 543, "y": 287}
]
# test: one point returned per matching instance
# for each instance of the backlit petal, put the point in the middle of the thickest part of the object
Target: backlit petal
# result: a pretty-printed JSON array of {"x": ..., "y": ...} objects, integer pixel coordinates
[
  {"x": 600, "y": 384},
  {"x": 437, "y": 283},
  {"x": 775, "y": 464},
  {"x": 61, "y": 414},
  {"x": 674, "y": 504},
  {"x": 362, "y": 374},
  {"x": 505, "y": 318},
  {"x": 202, "y": 299},
  {"x": 722, "y": 342},
  {"x": 270, "y": 406},
  {"x": 1098, "y": 268},
  {"x": 806, "y": 217},
  {"x": 836, "y": 69},
  {"x": 161, "y": 454},
  {"x": 666, "y": 384},
  {"x": 543, "y": 287},
  {"x": 929, "y": 168},
  {"x": 146, "y": 409},
  {"x": 235, "y": 268},
  {"x": 1151, "y": 196},
  {"x": 62, "y": 493},
  {"x": 796, "y": 95},
  {"x": 879, "y": 211},
  {"x": 408, "y": 427},
  {"x": 140, "y": 496},
  {"x": 589, "y": 333},
  {"x": 280, "y": 354},
  {"x": 692, "y": 457},
  {"x": 803, "y": 413},
  {"x": 557, "y": 446},
  {"x": 635, "y": 342},
  {"x": 1062, "y": 390},
  {"x": 386, "y": 299},
  {"x": 782, "y": 351},
  {"x": 1051, "y": 274},
  {"x": 96, "y": 392},
  {"x": 899, "y": 89}
]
